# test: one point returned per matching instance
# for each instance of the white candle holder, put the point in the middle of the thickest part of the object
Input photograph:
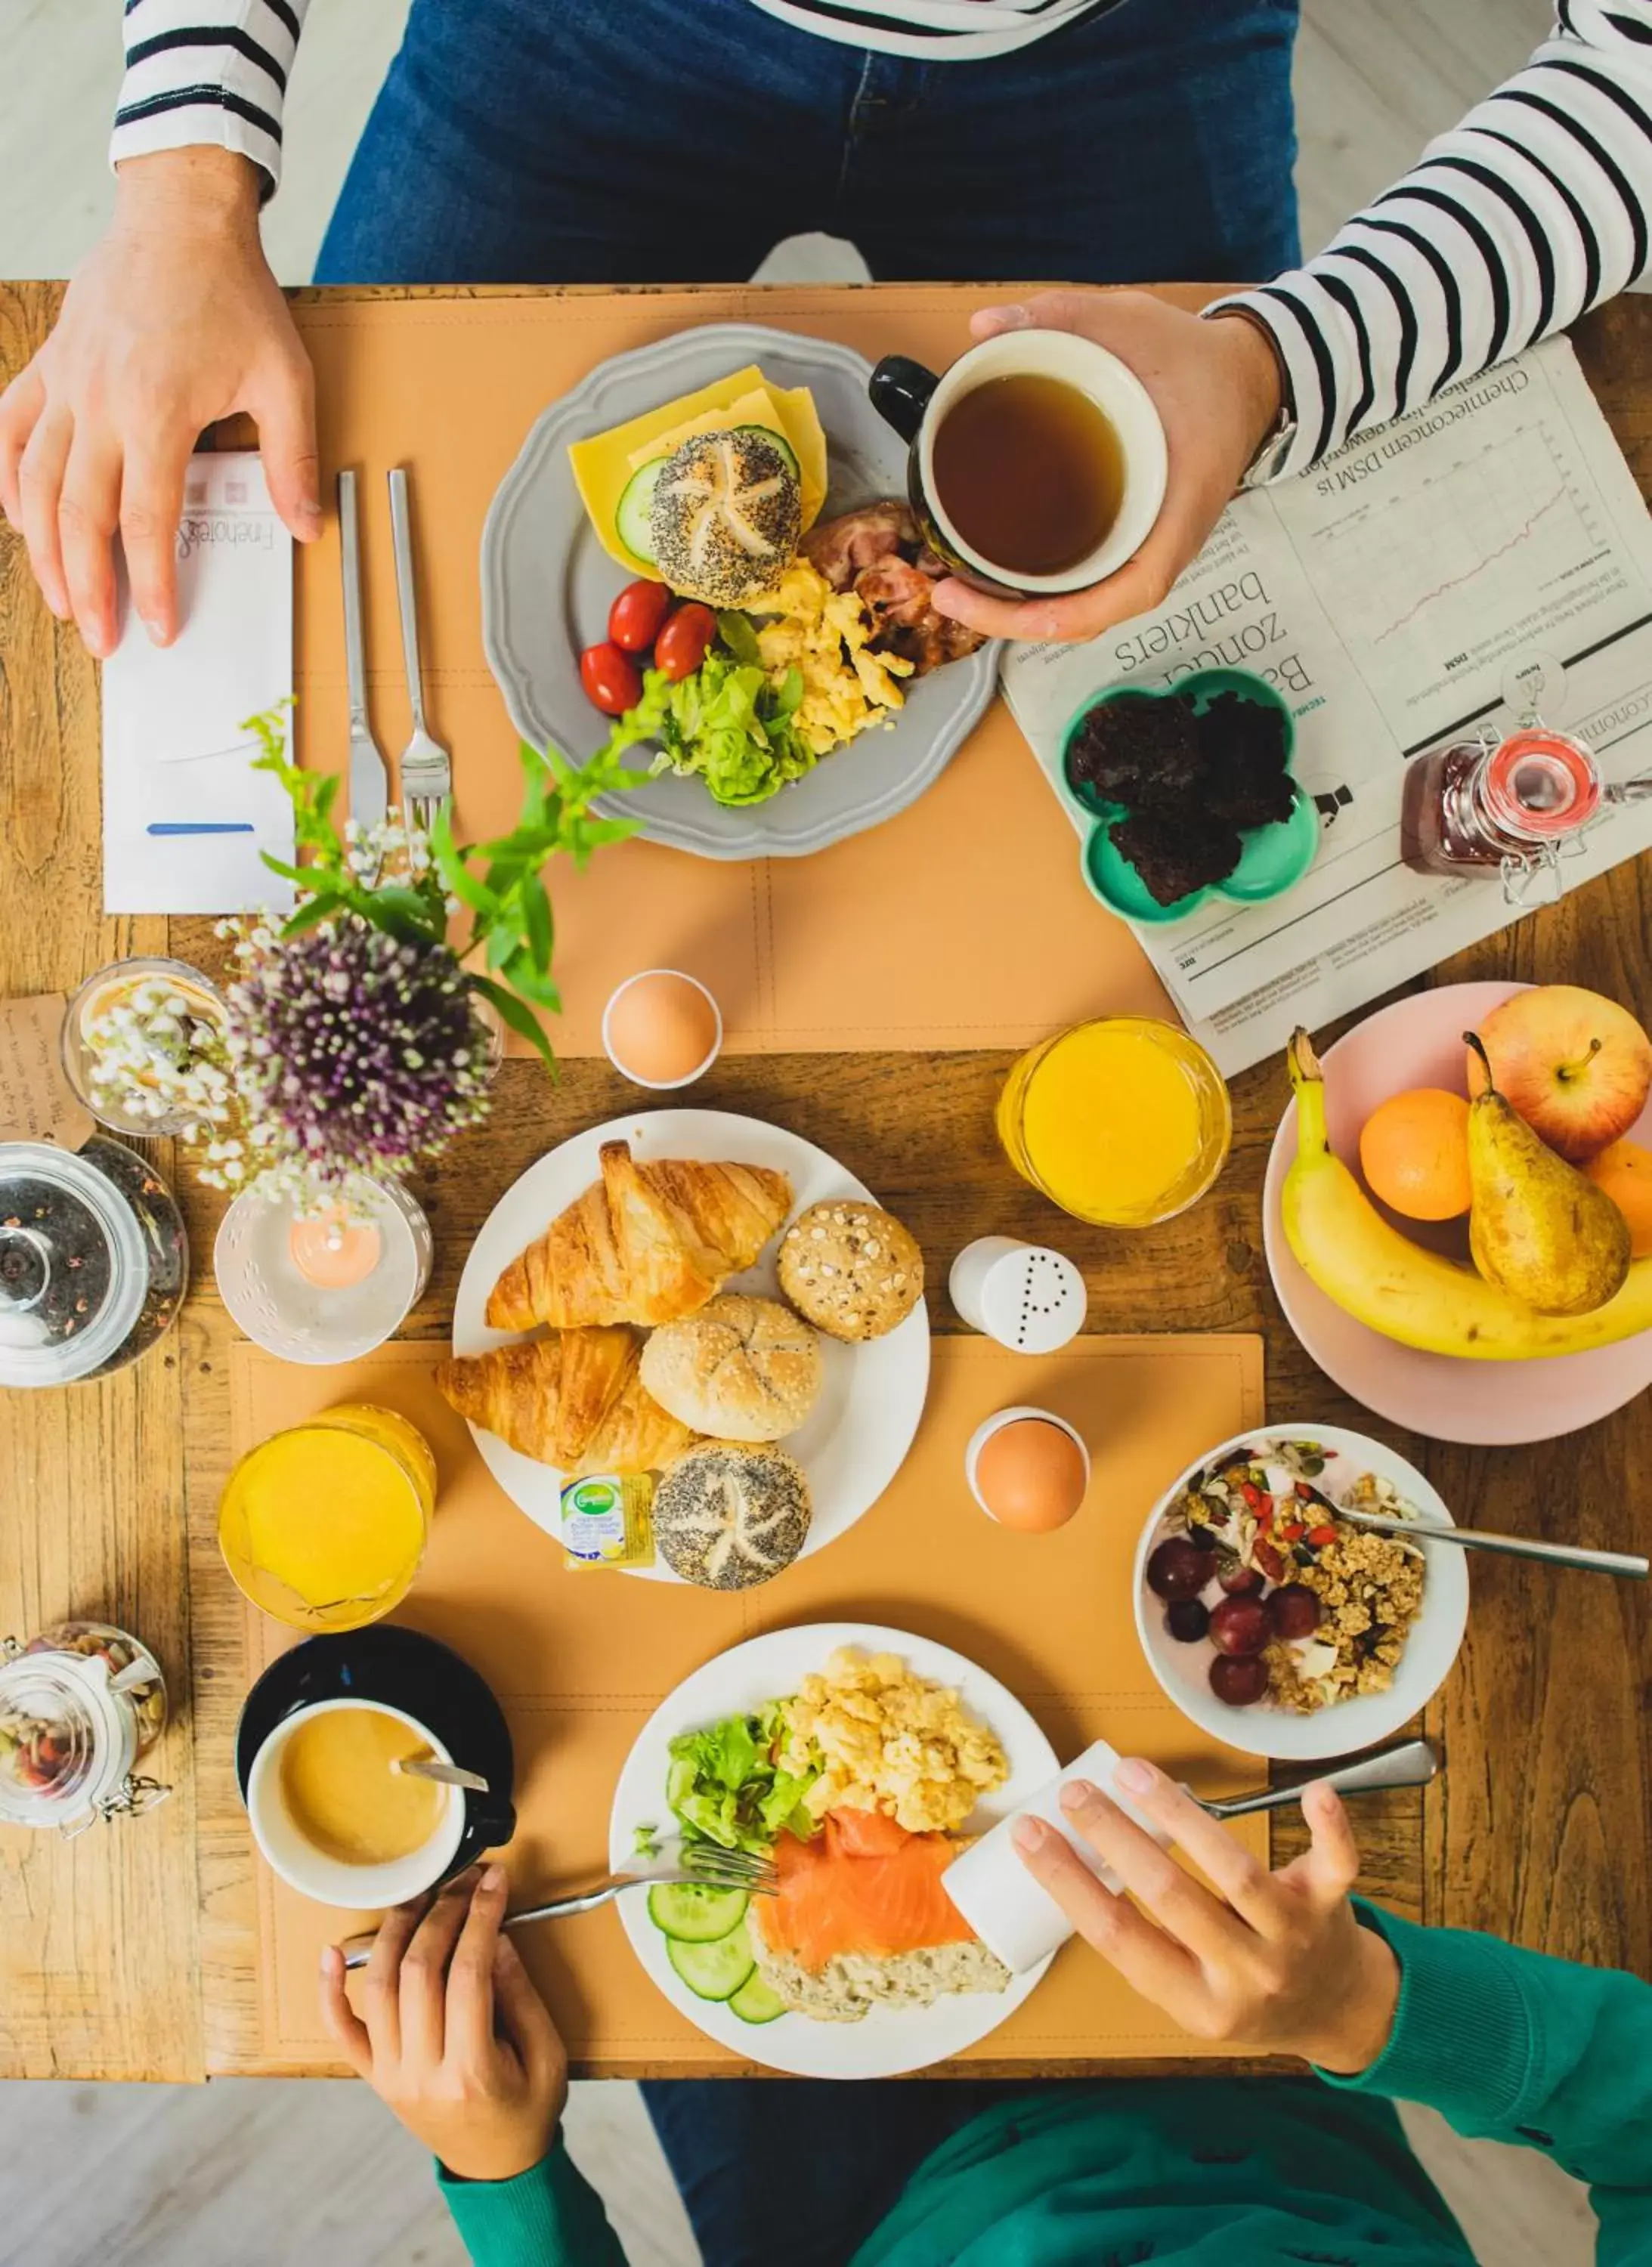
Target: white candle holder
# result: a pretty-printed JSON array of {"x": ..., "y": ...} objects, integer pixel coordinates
[{"x": 283, "y": 1310}]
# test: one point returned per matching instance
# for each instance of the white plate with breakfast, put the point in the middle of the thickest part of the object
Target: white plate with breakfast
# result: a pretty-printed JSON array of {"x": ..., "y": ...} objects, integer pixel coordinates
[
  {"x": 1278, "y": 1627},
  {"x": 800, "y": 1744},
  {"x": 691, "y": 1345},
  {"x": 718, "y": 521}
]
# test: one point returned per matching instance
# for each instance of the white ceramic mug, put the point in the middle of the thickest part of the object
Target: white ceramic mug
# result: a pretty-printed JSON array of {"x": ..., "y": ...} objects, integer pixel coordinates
[
  {"x": 915, "y": 402},
  {"x": 332, "y": 1880}
]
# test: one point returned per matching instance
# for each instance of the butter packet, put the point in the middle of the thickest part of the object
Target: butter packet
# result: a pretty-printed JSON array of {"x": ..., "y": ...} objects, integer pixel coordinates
[{"x": 606, "y": 1519}]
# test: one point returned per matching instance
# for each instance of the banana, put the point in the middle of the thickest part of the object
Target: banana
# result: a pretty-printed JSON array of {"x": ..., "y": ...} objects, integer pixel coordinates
[{"x": 1394, "y": 1286}]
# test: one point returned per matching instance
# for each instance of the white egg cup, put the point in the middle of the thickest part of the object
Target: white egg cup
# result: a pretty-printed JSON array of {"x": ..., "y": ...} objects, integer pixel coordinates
[
  {"x": 662, "y": 1085},
  {"x": 984, "y": 1430}
]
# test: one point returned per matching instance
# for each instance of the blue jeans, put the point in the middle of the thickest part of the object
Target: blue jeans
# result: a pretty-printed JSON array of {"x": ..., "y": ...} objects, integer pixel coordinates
[{"x": 675, "y": 141}]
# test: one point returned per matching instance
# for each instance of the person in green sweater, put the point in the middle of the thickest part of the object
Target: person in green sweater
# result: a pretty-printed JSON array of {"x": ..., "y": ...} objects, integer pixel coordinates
[{"x": 1203, "y": 2173}]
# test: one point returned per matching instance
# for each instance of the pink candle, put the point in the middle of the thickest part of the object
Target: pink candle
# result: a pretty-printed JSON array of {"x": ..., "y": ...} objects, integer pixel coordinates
[{"x": 332, "y": 1252}]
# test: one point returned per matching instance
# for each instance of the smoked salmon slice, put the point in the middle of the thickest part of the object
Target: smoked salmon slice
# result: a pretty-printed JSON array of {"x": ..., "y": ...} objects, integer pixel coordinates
[{"x": 862, "y": 1885}]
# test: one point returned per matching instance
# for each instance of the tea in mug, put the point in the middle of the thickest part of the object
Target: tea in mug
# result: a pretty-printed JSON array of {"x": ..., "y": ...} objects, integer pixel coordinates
[
  {"x": 1030, "y": 473},
  {"x": 342, "y": 1795}
]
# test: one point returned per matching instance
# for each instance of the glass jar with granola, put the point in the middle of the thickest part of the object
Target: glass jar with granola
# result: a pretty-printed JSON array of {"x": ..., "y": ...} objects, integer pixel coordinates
[{"x": 81, "y": 1705}]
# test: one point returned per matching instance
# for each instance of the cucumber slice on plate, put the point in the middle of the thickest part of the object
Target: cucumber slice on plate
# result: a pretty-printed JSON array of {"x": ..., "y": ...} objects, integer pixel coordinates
[
  {"x": 714, "y": 1971},
  {"x": 757, "y": 2002},
  {"x": 631, "y": 514},
  {"x": 776, "y": 441},
  {"x": 693, "y": 1915}
]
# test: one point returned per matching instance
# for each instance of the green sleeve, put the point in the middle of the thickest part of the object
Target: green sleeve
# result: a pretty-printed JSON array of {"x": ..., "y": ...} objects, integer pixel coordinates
[
  {"x": 549, "y": 2216},
  {"x": 1513, "y": 2046}
]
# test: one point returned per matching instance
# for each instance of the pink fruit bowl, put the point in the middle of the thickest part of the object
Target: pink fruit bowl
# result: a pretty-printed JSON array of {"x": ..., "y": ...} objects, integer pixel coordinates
[{"x": 1419, "y": 1042}]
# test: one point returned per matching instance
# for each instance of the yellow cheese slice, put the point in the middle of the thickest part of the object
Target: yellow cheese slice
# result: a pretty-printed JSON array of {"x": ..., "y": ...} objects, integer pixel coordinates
[{"x": 603, "y": 464}]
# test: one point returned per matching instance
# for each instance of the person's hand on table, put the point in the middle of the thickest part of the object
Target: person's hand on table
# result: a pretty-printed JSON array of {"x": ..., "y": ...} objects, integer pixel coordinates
[
  {"x": 1277, "y": 1962},
  {"x": 453, "y": 2036},
  {"x": 1217, "y": 387},
  {"x": 173, "y": 321}
]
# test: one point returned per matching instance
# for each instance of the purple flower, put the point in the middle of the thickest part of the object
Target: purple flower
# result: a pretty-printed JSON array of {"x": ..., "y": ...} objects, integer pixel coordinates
[{"x": 355, "y": 1051}]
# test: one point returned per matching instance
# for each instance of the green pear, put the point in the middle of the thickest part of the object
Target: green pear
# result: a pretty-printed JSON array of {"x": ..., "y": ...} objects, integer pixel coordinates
[{"x": 1536, "y": 1228}]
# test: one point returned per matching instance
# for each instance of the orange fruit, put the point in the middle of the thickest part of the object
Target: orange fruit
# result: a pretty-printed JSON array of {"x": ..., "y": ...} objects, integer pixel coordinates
[
  {"x": 1625, "y": 1172},
  {"x": 1413, "y": 1152}
]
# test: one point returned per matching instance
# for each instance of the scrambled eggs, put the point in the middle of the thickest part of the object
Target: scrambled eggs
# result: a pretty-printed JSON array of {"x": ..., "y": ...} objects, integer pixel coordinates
[
  {"x": 825, "y": 635},
  {"x": 885, "y": 1740}
]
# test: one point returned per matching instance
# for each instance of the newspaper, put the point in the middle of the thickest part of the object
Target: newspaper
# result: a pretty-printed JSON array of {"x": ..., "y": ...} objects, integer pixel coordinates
[{"x": 1410, "y": 588}]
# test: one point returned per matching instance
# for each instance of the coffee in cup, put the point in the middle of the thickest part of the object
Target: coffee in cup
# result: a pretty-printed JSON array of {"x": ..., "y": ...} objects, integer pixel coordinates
[
  {"x": 1037, "y": 462},
  {"x": 334, "y": 1818}
]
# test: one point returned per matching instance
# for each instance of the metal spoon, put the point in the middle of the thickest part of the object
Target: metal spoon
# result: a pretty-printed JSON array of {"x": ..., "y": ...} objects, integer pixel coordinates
[
  {"x": 1412, "y": 1763},
  {"x": 1476, "y": 1538},
  {"x": 449, "y": 1774}
]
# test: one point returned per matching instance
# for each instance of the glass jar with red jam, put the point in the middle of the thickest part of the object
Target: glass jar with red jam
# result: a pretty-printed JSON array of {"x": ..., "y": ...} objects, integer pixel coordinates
[
  {"x": 1508, "y": 807},
  {"x": 81, "y": 1705}
]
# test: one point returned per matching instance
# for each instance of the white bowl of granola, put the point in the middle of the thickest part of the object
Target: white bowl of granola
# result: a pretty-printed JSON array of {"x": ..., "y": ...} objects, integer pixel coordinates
[{"x": 1280, "y": 1629}]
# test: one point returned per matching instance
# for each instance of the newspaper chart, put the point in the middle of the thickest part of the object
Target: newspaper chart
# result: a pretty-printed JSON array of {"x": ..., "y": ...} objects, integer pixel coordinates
[{"x": 1400, "y": 595}]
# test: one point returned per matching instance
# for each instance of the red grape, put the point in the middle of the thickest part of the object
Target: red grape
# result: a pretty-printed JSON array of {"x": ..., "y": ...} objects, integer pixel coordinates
[
  {"x": 1239, "y": 1582},
  {"x": 1178, "y": 1570},
  {"x": 1186, "y": 1619},
  {"x": 1239, "y": 1682},
  {"x": 1293, "y": 1611},
  {"x": 1239, "y": 1625}
]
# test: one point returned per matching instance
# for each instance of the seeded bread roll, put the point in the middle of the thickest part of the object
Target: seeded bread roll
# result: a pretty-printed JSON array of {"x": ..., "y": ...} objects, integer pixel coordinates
[
  {"x": 749, "y": 1367},
  {"x": 851, "y": 1269},
  {"x": 731, "y": 1515}
]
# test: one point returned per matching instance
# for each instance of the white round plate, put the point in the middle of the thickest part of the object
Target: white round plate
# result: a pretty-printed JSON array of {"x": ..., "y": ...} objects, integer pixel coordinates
[
  {"x": 1431, "y": 1648},
  {"x": 1414, "y": 1042},
  {"x": 872, "y": 1397},
  {"x": 889, "y": 2040},
  {"x": 547, "y": 584}
]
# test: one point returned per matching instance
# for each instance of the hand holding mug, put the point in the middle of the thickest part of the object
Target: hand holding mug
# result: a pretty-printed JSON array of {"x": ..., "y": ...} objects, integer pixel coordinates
[
  {"x": 1277, "y": 1962},
  {"x": 1216, "y": 388},
  {"x": 453, "y": 2038}
]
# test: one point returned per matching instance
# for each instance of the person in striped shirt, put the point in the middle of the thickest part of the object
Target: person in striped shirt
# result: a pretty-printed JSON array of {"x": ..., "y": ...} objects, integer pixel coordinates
[{"x": 1099, "y": 141}]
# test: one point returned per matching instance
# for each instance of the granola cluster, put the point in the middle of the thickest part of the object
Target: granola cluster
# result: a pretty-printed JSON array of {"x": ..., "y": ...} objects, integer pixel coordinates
[{"x": 1371, "y": 1591}]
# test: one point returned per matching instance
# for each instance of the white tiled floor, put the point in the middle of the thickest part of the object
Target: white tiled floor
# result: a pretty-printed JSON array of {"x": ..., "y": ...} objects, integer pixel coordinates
[{"x": 286, "y": 2174}]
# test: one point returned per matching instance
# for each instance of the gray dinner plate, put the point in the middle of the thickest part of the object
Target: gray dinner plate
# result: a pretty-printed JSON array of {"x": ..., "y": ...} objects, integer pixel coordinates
[{"x": 547, "y": 586}]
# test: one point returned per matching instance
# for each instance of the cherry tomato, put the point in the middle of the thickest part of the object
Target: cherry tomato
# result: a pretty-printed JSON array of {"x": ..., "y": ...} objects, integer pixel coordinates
[
  {"x": 635, "y": 615},
  {"x": 611, "y": 679},
  {"x": 685, "y": 642}
]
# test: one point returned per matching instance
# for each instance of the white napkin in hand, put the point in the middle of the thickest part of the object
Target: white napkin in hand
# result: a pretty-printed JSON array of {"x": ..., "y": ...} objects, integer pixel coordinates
[{"x": 175, "y": 752}]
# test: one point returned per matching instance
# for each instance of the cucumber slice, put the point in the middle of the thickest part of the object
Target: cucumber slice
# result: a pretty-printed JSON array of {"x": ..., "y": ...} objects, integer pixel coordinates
[
  {"x": 776, "y": 441},
  {"x": 757, "y": 2002},
  {"x": 714, "y": 1971},
  {"x": 693, "y": 1915},
  {"x": 630, "y": 517}
]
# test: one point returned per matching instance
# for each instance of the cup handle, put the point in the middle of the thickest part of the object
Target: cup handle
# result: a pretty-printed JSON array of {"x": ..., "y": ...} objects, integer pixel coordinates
[
  {"x": 494, "y": 1819},
  {"x": 899, "y": 389}
]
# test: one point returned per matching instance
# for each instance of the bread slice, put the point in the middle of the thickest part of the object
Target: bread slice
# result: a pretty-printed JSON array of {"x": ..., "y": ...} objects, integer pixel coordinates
[{"x": 848, "y": 1988}]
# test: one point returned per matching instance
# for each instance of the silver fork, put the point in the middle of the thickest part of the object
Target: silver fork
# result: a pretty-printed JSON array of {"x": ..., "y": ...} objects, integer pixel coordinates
[
  {"x": 688, "y": 1865},
  {"x": 427, "y": 771},
  {"x": 369, "y": 782}
]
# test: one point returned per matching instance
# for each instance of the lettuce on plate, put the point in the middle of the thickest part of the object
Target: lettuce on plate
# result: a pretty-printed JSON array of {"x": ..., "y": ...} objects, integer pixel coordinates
[
  {"x": 724, "y": 1786},
  {"x": 729, "y": 726}
]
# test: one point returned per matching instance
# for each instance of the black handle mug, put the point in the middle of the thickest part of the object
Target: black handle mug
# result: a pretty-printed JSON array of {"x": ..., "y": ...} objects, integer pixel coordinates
[{"x": 901, "y": 391}]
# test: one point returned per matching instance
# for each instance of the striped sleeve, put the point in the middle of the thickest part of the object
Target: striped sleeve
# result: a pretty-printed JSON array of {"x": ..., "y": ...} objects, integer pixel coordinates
[
  {"x": 1530, "y": 211},
  {"x": 207, "y": 71}
]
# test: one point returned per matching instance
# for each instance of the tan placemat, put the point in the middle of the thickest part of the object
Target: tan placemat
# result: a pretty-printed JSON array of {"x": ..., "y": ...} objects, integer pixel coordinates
[
  {"x": 579, "y": 1660},
  {"x": 962, "y": 923}
]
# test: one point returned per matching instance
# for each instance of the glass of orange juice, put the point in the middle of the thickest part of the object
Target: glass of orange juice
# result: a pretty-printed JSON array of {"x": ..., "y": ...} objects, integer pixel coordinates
[
  {"x": 1123, "y": 1121},
  {"x": 324, "y": 1525}
]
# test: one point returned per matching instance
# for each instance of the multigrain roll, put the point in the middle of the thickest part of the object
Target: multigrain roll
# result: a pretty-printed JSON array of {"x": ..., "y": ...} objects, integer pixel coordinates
[
  {"x": 748, "y": 1368},
  {"x": 729, "y": 1514},
  {"x": 851, "y": 1269}
]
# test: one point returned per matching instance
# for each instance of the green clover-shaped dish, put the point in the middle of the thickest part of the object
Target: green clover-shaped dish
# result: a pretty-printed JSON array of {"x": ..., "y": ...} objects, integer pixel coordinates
[{"x": 1273, "y": 859}]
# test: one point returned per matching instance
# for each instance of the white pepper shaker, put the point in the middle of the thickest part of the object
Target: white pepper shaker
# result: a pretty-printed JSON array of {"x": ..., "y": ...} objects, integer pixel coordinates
[{"x": 1026, "y": 1296}]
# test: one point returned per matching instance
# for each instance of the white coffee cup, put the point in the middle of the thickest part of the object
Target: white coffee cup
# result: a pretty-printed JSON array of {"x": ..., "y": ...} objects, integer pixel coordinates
[
  {"x": 332, "y": 1880},
  {"x": 915, "y": 402}
]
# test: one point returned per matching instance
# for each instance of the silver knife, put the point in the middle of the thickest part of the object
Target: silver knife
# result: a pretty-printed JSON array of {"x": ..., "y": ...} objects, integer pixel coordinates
[{"x": 370, "y": 781}]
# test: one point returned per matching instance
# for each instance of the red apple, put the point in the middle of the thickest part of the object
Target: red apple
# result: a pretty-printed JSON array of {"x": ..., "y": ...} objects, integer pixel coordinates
[{"x": 1578, "y": 1067}]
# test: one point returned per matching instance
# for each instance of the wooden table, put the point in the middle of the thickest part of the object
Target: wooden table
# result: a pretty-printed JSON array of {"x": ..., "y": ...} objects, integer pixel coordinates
[{"x": 131, "y": 1953}]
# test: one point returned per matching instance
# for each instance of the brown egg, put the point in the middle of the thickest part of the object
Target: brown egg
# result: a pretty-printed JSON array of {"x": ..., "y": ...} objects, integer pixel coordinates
[
  {"x": 661, "y": 1028},
  {"x": 1032, "y": 1476}
]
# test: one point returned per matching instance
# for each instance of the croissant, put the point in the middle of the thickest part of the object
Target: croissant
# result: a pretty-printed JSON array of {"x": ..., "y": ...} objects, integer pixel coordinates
[
  {"x": 647, "y": 1242},
  {"x": 575, "y": 1401}
]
